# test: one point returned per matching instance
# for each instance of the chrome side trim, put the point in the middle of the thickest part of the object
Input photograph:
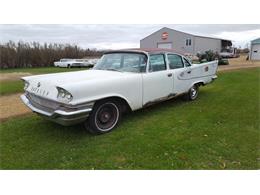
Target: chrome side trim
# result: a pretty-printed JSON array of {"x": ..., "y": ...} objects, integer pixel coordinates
[{"x": 170, "y": 96}]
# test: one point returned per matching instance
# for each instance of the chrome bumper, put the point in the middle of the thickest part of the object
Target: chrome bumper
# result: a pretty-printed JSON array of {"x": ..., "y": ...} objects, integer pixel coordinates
[
  {"x": 60, "y": 116},
  {"x": 214, "y": 77}
]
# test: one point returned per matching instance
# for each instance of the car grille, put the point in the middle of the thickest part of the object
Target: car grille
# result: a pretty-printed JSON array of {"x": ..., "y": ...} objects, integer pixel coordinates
[{"x": 42, "y": 103}]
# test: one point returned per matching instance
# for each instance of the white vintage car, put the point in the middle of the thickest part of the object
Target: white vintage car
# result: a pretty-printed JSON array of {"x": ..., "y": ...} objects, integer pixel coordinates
[
  {"x": 122, "y": 80},
  {"x": 68, "y": 63}
]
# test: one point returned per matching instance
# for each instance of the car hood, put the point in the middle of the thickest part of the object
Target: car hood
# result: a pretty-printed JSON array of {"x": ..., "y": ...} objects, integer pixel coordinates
[
  {"x": 72, "y": 77},
  {"x": 45, "y": 85}
]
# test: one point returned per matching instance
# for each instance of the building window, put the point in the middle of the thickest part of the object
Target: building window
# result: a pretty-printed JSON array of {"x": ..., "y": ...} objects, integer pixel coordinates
[{"x": 188, "y": 42}]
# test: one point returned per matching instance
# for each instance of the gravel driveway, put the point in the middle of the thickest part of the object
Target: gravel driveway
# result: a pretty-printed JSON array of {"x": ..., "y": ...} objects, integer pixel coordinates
[
  {"x": 11, "y": 106},
  {"x": 13, "y": 76}
]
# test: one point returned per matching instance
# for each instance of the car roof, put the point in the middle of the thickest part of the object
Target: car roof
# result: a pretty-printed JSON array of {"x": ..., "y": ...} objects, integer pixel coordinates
[{"x": 146, "y": 51}]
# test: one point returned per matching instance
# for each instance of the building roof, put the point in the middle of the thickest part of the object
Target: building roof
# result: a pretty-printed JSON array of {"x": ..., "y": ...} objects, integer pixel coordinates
[
  {"x": 255, "y": 41},
  {"x": 166, "y": 28}
]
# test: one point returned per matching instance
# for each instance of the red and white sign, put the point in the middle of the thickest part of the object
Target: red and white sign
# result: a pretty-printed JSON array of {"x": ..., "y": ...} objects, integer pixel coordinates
[{"x": 165, "y": 35}]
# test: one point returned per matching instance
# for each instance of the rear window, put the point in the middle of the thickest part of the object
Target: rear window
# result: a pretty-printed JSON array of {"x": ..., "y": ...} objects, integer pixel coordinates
[
  {"x": 175, "y": 61},
  {"x": 157, "y": 63}
]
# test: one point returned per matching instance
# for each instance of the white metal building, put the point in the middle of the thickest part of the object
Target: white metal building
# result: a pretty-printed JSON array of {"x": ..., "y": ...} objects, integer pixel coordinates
[
  {"x": 184, "y": 42},
  {"x": 255, "y": 50}
]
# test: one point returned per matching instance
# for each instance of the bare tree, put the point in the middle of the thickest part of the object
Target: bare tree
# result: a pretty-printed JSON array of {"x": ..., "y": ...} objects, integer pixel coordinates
[{"x": 21, "y": 54}]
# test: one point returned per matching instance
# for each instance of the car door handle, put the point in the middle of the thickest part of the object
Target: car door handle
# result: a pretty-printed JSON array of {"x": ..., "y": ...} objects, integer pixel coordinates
[
  {"x": 169, "y": 75},
  {"x": 189, "y": 71}
]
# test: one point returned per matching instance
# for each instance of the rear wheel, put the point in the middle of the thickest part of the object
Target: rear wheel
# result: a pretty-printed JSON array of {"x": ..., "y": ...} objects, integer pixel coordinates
[
  {"x": 104, "y": 117},
  {"x": 193, "y": 93}
]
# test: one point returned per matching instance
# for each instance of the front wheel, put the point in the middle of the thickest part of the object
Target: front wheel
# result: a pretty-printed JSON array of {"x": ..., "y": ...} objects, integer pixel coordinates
[
  {"x": 193, "y": 93},
  {"x": 104, "y": 117}
]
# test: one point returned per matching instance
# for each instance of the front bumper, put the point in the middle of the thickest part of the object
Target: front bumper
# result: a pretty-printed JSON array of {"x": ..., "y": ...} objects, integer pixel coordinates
[{"x": 64, "y": 117}]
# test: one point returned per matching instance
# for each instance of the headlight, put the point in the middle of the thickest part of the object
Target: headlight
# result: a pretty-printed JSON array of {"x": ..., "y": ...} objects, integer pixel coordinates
[
  {"x": 26, "y": 85},
  {"x": 64, "y": 95}
]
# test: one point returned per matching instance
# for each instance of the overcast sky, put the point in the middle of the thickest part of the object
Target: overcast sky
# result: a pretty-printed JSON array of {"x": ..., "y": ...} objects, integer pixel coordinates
[{"x": 120, "y": 36}]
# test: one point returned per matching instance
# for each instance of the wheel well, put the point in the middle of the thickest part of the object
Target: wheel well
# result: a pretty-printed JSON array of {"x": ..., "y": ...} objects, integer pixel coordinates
[
  {"x": 199, "y": 84},
  {"x": 123, "y": 103}
]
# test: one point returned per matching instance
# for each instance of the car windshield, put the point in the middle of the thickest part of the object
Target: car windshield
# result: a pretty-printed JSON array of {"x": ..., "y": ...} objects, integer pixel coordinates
[{"x": 122, "y": 62}]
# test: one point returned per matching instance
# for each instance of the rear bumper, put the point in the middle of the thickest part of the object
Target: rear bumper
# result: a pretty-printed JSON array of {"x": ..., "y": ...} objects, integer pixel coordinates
[
  {"x": 60, "y": 116},
  {"x": 214, "y": 77}
]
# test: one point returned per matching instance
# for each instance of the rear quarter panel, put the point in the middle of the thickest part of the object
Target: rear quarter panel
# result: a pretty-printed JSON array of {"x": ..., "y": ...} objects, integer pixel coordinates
[{"x": 201, "y": 72}]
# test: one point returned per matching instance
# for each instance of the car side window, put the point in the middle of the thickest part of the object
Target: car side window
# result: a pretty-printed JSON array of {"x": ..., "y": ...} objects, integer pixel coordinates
[
  {"x": 136, "y": 63},
  {"x": 186, "y": 62},
  {"x": 157, "y": 63},
  {"x": 175, "y": 61}
]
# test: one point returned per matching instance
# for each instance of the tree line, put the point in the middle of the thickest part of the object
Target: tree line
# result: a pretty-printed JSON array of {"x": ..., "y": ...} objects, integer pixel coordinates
[{"x": 34, "y": 54}]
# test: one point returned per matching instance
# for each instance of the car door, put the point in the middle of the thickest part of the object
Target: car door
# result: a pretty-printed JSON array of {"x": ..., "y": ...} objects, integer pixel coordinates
[
  {"x": 157, "y": 82},
  {"x": 180, "y": 84}
]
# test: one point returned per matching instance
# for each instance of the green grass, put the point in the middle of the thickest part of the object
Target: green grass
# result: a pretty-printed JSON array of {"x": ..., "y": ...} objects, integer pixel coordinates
[
  {"x": 40, "y": 70},
  {"x": 220, "y": 130},
  {"x": 16, "y": 86},
  {"x": 9, "y": 87}
]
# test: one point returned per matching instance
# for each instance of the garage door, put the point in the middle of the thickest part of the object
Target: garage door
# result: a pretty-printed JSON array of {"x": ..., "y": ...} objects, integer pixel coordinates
[
  {"x": 164, "y": 45},
  {"x": 255, "y": 52}
]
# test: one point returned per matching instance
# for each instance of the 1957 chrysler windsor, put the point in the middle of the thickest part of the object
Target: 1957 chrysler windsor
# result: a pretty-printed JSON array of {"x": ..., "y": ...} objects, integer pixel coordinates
[{"x": 121, "y": 80}]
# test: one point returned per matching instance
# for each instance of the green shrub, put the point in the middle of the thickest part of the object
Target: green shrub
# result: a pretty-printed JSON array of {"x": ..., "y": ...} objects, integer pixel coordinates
[
  {"x": 211, "y": 56},
  {"x": 208, "y": 56}
]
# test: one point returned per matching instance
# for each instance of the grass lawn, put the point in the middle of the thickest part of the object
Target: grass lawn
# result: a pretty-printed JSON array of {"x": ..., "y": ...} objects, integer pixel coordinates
[
  {"x": 16, "y": 86},
  {"x": 220, "y": 130},
  {"x": 9, "y": 87},
  {"x": 40, "y": 70}
]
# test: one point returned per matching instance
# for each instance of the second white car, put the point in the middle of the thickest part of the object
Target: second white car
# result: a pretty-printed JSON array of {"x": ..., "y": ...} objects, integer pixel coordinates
[{"x": 68, "y": 63}]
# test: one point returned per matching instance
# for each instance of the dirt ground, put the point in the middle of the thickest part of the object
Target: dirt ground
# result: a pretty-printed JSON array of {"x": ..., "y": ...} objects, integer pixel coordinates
[
  {"x": 236, "y": 67},
  {"x": 13, "y": 76},
  {"x": 11, "y": 105},
  {"x": 242, "y": 60},
  {"x": 239, "y": 63}
]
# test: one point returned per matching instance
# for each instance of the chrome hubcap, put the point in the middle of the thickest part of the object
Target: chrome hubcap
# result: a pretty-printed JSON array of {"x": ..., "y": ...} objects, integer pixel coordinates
[
  {"x": 193, "y": 92},
  {"x": 106, "y": 116}
]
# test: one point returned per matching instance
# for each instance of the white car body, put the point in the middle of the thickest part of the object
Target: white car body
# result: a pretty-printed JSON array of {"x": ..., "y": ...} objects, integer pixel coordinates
[
  {"x": 229, "y": 53},
  {"x": 89, "y": 86},
  {"x": 67, "y": 63}
]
